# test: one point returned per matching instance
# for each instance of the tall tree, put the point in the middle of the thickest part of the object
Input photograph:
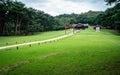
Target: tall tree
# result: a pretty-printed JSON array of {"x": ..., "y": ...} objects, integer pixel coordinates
[
  {"x": 17, "y": 12},
  {"x": 4, "y": 13}
]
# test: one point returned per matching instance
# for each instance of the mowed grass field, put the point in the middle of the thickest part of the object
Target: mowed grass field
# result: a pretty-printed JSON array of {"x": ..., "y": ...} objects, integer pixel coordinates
[
  {"x": 86, "y": 53},
  {"x": 11, "y": 40}
]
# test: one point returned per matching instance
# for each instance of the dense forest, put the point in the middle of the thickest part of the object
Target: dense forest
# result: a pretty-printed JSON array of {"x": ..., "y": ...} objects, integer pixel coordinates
[
  {"x": 17, "y": 19},
  {"x": 111, "y": 17}
]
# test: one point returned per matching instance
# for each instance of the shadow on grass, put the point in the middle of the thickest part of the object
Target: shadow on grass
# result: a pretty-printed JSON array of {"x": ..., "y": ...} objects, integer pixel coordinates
[
  {"x": 111, "y": 32},
  {"x": 115, "y": 32}
]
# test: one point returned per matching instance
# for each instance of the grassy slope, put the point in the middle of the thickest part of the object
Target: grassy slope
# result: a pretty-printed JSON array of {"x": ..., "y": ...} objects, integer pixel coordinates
[
  {"x": 86, "y": 53},
  {"x": 39, "y": 36}
]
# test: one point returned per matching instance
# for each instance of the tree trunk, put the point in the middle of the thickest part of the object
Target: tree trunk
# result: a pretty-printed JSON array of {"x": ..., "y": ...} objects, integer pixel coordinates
[
  {"x": 5, "y": 29},
  {"x": 28, "y": 22},
  {"x": 1, "y": 27},
  {"x": 20, "y": 25},
  {"x": 44, "y": 26},
  {"x": 16, "y": 25},
  {"x": 2, "y": 23}
]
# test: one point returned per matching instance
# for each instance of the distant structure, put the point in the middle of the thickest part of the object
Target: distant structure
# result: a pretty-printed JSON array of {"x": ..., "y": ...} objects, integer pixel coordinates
[
  {"x": 86, "y": 25},
  {"x": 97, "y": 28},
  {"x": 76, "y": 27}
]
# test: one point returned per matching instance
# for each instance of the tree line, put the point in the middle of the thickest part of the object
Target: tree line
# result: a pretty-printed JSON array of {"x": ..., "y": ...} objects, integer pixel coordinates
[
  {"x": 16, "y": 19},
  {"x": 111, "y": 17},
  {"x": 87, "y": 17}
]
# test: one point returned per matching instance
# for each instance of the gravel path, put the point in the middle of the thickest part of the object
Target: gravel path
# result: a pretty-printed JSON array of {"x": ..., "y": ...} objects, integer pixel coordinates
[{"x": 37, "y": 42}]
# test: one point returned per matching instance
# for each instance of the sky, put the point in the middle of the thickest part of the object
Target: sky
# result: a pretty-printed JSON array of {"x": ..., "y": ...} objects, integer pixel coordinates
[{"x": 57, "y": 7}]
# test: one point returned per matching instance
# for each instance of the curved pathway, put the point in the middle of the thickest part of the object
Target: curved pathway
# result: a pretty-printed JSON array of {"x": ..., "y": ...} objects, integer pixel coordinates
[{"x": 37, "y": 42}]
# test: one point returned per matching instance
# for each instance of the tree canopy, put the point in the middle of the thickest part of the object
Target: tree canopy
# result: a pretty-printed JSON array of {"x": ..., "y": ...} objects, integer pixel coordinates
[
  {"x": 110, "y": 18},
  {"x": 112, "y": 1},
  {"x": 16, "y": 19}
]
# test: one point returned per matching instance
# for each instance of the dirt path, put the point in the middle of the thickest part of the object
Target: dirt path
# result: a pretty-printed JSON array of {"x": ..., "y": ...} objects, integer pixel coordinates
[
  {"x": 21, "y": 63},
  {"x": 36, "y": 42}
]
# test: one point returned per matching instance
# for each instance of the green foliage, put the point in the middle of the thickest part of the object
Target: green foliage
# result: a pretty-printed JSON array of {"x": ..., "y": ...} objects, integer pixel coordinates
[
  {"x": 112, "y": 1},
  {"x": 88, "y": 17},
  {"x": 17, "y": 19},
  {"x": 65, "y": 19},
  {"x": 110, "y": 18}
]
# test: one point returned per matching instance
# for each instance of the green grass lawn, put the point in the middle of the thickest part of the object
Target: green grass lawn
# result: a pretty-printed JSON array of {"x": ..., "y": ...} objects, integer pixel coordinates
[
  {"x": 86, "y": 53},
  {"x": 10, "y": 40}
]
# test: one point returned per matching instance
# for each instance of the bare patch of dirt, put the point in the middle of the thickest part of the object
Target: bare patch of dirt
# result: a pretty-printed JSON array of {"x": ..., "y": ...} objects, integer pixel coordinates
[
  {"x": 21, "y": 63},
  {"x": 7, "y": 68}
]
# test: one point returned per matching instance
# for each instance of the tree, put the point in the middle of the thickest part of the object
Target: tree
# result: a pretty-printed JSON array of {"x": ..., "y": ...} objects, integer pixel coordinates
[
  {"x": 17, "y": 12},
  {"x": 17, "y": 19},
  {"x": 112, "y": 1},
  {"x": 110, "y": 18},
  {"x": 88, "y": 17}
]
